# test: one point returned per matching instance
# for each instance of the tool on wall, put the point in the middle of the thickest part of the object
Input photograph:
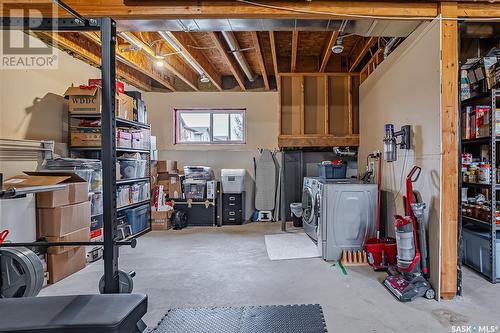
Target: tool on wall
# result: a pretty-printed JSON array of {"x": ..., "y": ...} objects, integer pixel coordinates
[
  {"x": 409, "y": 281},
  {"x": 390, "y": 143}
]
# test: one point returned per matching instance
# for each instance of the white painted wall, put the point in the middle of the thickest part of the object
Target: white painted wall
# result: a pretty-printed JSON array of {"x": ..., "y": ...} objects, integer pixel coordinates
[
  {"x": 405, "y": 89},
  {"x": 262, "y": 130}
]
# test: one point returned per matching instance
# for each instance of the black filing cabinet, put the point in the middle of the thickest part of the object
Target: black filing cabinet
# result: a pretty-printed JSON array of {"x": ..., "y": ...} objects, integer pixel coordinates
[{"x": 233, "y": 208}]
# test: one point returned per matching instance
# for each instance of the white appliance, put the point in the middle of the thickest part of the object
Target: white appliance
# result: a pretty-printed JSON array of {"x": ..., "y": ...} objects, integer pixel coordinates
[{"x": 342, "y": 214}]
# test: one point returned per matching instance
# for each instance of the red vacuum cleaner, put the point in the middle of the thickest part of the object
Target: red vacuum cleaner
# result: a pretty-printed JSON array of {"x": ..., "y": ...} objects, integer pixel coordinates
[{"x": 409, "y": 279}]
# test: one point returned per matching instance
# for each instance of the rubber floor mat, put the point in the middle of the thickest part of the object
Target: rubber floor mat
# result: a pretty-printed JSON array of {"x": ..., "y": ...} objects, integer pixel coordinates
[{"x": 247, "y": 319}]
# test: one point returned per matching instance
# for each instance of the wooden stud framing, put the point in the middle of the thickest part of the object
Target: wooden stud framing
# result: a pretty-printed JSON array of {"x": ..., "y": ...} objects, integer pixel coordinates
[
  {"x": 229, "y": 59},
  {"x": 302, "y": 107},
  {"x": 327, "y": 52},
  {"x": 317, "y": 141},
  {"x": 373, "y": 63},
  {"x": 449, "y": 149},
  {"x": 260, "y": 57},
  {"x": 349, "y": 105},
  {"x": 369, "y": 43},
  {"x": 184, "y": 40},
  {"x": 295, "y": 42},
  {"x": 321, "y": 74},
  {"x": 326, "y": 110}
]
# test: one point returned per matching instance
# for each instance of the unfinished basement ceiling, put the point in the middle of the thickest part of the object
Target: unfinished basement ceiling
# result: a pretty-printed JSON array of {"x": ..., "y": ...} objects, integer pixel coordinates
[{"x": 364, "y": 27}]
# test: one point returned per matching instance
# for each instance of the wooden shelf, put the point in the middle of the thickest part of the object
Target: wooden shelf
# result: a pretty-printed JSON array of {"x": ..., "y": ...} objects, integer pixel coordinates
[{"x": 317, "y": 141}]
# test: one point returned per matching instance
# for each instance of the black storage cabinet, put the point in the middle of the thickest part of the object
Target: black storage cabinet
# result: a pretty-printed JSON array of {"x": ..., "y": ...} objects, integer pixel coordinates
[{"x": 233, "y": 208}]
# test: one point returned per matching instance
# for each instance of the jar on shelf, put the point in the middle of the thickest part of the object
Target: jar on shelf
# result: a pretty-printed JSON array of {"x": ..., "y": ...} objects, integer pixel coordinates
[{"x": 484, "y": 174}]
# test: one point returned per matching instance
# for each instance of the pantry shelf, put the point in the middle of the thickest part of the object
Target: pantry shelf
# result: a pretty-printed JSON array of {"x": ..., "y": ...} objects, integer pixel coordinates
[
  {"x": 119, "y": 121},
  {"x": 480, "y": 160},
  {"x": 133, "y": 205},
  {"x": 132, "y": 180}
]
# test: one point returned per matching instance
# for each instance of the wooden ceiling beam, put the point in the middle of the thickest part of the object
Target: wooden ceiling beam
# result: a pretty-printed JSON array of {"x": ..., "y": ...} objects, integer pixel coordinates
[
  {"x": 173, "y": 62},
  {"x": 274, "y": 55},
  {"x": 85, "y": 48},
  {"x": 327, "y": 52},
  {"x": 260, "y": 58},
  {"x": 295, "y": 44},
  {"x": 357, "y": 59},
  {"x": 139, "y": 9},
  {"x": 187, "y": 44},
  {"x": 233, "y": 66}
]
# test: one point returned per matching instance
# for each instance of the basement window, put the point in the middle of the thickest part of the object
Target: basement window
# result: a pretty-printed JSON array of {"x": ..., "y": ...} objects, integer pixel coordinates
[{"x": 206, "y": 126}]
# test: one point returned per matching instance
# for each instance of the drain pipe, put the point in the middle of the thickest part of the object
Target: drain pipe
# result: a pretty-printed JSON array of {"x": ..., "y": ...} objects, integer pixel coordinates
[
  {"x": 389, "y": 46},
  {"x": 234, "y": 48}
]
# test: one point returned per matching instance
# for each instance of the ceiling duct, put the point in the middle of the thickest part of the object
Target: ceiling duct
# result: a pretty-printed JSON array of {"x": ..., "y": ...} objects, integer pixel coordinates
[
  {"x": 383, "y": 28},
  {"x": 234, "y": 48}
]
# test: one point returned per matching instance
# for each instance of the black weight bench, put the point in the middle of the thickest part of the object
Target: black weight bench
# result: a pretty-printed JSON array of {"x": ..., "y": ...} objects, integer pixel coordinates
[{"x": 120, "y": 313}]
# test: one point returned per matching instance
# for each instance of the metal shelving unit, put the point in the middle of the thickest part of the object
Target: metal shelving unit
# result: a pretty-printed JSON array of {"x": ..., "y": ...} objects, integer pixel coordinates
[
  {"x": 119, "y": 121},
  {"x": 492, "y": 187}
]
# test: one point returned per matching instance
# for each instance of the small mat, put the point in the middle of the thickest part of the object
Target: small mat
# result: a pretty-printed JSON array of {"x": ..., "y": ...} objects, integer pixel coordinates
[
  {"x": 290, "y": 246},
  {"x": 246, "y": 319}
]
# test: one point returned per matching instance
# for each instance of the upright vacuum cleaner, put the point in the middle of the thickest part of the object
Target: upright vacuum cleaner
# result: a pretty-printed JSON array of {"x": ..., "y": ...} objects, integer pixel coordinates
[{"x": 409, "y": 278}]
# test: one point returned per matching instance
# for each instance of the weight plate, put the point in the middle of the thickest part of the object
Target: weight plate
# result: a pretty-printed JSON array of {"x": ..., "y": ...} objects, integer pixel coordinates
[
  {"x": 24, "y": 254},
  {"x": 17, "y": 274},
  {"x": 125, "y": 280},
  {"x": 39, "y": 273}
]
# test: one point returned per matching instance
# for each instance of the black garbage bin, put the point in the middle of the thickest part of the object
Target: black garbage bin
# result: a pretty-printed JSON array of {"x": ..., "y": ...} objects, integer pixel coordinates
[{"x": 296, "y": 208}]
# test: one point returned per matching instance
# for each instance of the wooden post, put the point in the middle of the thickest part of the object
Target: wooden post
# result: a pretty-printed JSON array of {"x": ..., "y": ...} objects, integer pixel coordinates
[
  {"x": 349, "y": 105},
  {"x": 449, "y": 150},
  {"x": 302, "y": 108},
  {"x": 326, "y": 111}
]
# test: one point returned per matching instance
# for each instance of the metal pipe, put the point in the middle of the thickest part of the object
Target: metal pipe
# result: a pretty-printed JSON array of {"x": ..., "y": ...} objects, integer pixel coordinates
[
  {"x": 390, "y": 44},
  {"x": 137, "y": 43},
  {"x": 234, "y": 48},
  {"x": 166, "y": 36}
]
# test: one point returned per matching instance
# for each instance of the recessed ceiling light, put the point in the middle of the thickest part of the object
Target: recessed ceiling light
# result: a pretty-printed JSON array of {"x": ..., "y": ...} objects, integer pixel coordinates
[
  {"x": 159, "y": 63},
  {"x": 338, "y": 47}
]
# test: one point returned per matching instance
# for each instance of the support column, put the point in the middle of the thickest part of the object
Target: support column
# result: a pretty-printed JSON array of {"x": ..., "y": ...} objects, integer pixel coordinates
[{"x": 449, "y": 150}]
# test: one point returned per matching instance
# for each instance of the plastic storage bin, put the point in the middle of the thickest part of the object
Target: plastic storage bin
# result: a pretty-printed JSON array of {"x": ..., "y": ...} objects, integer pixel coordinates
[
  {"x": 132, "y": 168},
  {"x": 194, "y": 189},
  {"x": 476, "y": 249},
  {"x": 332, "y": 171},
  {"x": 138, "y": 218},
  {"x": 233, "y": 180}
]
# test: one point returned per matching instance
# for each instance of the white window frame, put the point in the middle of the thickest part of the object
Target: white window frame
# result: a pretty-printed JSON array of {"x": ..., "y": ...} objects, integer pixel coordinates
[{"x": 211, "y": 111}]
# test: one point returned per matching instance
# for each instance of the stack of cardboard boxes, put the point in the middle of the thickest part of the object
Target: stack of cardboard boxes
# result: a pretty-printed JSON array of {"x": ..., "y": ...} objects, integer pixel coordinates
[
  {"x": 167, "y": 184},
  {"x": 64, "y": 216}
]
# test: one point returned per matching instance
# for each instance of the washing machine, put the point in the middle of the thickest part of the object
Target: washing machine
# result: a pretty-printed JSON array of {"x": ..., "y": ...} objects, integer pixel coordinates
[
  {"x": 346, "y": 215},
  {"x": 310, "y": 207}
]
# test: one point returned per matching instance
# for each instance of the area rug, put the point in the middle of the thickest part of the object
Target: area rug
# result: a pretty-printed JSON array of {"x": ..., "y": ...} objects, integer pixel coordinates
[
  {"x": 304, "y": 318},
  {"x": 290, "y": 246}
]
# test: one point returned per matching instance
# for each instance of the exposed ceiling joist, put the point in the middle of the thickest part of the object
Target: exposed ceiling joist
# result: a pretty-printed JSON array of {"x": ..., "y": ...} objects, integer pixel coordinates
[
  {"x": 260, "y": 57},
  {"x": 173, "y": 62},
  {"x": 295, "y": 43},
  {"x": 357, "y": 59},
  {"x": 274, "y": 55},
  {"x": 219, "y": 44},
  {"x": 188, "y": 46},
  {"x": 88, "y": 48},
  {"x": 327, "y": 52}
]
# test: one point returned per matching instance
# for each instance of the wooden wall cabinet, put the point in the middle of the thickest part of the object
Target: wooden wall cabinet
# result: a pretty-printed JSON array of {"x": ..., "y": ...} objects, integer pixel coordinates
[{"x": 318, "y": 109}]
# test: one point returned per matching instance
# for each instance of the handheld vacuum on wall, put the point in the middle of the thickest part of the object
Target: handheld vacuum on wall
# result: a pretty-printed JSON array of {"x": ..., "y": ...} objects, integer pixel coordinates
[{"x": 390, "y": 143}]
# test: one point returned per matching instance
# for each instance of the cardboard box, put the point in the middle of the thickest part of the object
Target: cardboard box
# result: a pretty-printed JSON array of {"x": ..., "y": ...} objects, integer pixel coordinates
[
  {"x": 161, "y": 220},
  {"x": 75, "y": 191},
  {"x": 82, "y": 235},
  {"x": 174, "y": 187},
  {"x": 168, "y": 166},
  {"x": 125, "y": 107},
  {"x": 60, "y": 221},
  {"x": 163, "y": 176},
  {"x": 85, "y": 138},
  {"x": 84, "y": 99},
  {"x": 120, "y": 87},
  {"x": 64, "y": 264}
]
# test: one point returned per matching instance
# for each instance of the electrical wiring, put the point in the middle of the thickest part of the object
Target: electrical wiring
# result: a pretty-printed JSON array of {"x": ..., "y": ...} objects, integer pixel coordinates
[{"x": 376, "y": 17}]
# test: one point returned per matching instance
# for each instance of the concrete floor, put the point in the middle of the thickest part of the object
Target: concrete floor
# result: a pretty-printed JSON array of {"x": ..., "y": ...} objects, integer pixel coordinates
[{"x": 229, "y": 266}]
